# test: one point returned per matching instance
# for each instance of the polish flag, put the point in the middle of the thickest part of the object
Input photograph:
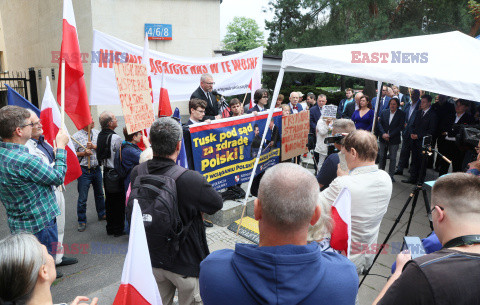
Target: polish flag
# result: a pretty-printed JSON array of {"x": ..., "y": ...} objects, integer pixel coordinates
[
  {"x": 76, "y": 98},
  {"x": 138, "y": 285},
  {"x": 164, "y": 106},
  {"x": 51, "y": 120},
  {"x": 341, "y": 216},
  {"x": 255, "y": 84}
]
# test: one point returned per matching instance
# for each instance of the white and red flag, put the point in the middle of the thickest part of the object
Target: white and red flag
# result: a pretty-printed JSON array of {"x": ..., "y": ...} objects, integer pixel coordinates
[
  {"x": 255, "y": 84},
  {"x": 51, "y": 121},
  {"x": 164, "y": 106},
  {"x": 138, "y": 285},
  {"x": 342, "y": 221},
  {"x": 76, "y": 98}
]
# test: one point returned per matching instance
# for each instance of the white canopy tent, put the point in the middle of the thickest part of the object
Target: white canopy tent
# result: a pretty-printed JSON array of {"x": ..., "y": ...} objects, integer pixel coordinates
[{"x": 447, "y": 63}]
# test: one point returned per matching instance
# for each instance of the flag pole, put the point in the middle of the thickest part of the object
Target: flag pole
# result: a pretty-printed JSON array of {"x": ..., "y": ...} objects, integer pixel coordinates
[{"x": 62, "y": 95}]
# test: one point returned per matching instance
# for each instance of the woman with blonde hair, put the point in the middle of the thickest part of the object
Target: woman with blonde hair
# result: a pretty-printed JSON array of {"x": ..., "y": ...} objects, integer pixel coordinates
[{"x": 27, "y": 272}]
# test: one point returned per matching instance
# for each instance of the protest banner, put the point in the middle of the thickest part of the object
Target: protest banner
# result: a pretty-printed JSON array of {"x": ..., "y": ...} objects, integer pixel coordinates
[
  {"x": 134, "y": 93},
  {"x": 232, "y": 74},
  {"x": 295, "y": 129},
  {"x": 329, "y": 111},
  {"x": 224, "y": 151}
]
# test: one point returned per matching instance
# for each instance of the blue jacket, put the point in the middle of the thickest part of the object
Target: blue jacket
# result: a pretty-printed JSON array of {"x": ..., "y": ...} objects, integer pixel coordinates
[
  {"x": 315, "y": 114},
  {"x": 299, "y": 107},
  {"x": 382, "y": 107},
  {"x": 277, "y": 275},
  {"x": 130, "y": 158},
  {"x": 409, "y": 121},
  {"x": 255, "y": 108}
]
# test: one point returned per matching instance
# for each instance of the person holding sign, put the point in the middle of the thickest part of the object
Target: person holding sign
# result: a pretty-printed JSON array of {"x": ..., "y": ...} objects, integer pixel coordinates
[
  {"x": 204, "y": 92},
  {"x": 363, "y": 117},
  {"x": 321, "y": 149}
]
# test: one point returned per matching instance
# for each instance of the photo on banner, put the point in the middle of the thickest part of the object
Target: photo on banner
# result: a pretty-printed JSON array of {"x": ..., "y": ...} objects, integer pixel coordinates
[{"x": 224, "y": 152}]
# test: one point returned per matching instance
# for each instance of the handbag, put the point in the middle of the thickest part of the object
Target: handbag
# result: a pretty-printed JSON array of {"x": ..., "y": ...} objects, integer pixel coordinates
[{"x": 112, "y": 181}]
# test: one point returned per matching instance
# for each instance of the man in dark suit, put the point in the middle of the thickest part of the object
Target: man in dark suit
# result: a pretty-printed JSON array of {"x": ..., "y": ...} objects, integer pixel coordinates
[
  {"x": 390, "y": 125},
  {"x": 351, "y": 107},
  {"x": 316, "y": 112},
  {"x": 295, "y": 106},
  {"x": 452, "y": 127},
  {"x": 344, "y": 103},
  {"x": 204, "y": 92},
  {"x": 261, "y": 99},
  {"x": 425, "y": 124},
  {"x": 384, "y": 98},
  {"x": 410, "y": 113}
]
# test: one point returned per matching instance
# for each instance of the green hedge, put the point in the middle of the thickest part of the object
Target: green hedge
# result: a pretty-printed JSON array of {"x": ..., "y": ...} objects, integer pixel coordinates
[{"x": 332, "y": 97}]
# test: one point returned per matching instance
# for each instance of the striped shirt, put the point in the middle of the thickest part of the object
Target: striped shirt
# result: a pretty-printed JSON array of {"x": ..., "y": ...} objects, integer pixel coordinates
[
  {"x": 26, "y": 187},
  {"x": 82, "y": 137}
]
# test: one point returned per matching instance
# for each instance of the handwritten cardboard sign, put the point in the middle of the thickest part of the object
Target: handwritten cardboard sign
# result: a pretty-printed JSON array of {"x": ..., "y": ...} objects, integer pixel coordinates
[
  {"x": 295, "y": 129},
  {"x": 329, "y": 111},
  {"x": 135, "y": 95}
]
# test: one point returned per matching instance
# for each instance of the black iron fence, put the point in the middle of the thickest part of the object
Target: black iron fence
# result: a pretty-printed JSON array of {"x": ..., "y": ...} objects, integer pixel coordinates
[{"x": 24, "y": 82}]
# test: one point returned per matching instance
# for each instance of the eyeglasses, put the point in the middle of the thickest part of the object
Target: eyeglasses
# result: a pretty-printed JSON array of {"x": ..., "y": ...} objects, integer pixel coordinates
[
  {"x": 39, "y": 122},
  {"x": 433, "y": 209},
  {"x": 201, "y": 111},
  {"x": 211, "y": 83},
  {"x": 31, "y": 124}
]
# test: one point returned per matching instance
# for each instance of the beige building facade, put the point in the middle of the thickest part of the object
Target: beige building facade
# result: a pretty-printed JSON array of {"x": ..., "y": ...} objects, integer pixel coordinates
[{"x": 31, "y": 31}]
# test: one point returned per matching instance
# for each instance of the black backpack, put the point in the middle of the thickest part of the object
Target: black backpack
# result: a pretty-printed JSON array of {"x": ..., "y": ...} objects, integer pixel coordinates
[{"x": 157, "y": 198}]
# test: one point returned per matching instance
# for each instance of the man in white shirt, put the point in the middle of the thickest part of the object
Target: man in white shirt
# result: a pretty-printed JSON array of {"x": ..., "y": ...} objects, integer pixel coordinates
[{"x": 370, "y": 190}]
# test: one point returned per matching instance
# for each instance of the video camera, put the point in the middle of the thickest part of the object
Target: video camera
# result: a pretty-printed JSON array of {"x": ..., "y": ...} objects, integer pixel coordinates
[
  {"x": 468, "y": 136},
  {"x": 337, "y": 138}
]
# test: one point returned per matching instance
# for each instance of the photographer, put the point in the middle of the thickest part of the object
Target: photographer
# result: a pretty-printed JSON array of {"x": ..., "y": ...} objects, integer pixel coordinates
[
  {"x": 451, "y": 149},
  {"x": 328, "y": 171},
  {"x": 448, "y": 276}
]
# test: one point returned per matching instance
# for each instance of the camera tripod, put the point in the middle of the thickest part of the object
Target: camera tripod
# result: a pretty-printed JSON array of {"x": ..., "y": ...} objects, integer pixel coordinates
[{"x": 427, "y": 151}]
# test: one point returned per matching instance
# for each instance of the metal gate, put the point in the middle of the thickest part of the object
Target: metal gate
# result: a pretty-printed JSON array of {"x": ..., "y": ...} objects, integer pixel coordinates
[{"x": 18, "y": 80}]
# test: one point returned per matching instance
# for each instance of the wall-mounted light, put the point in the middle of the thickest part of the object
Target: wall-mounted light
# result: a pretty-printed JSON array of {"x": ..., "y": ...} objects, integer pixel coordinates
[
  {"x": 53, "y": 73},
  {"x": 39, "y": 74}
]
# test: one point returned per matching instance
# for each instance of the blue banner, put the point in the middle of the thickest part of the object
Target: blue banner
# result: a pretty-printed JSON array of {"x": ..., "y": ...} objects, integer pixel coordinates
[{"x": 224, "y": 152}]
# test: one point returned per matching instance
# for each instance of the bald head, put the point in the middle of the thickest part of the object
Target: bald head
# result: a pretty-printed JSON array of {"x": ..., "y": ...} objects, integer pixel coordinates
[
  {"x": 107, "y": 120},
  {"x": 288, "y": 195}
]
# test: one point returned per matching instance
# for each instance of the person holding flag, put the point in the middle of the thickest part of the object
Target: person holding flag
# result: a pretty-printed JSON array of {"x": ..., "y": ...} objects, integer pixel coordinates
[
  {"x": 370, "y": 189},
  {"x": 86, "y": 149},
  {"x": 26, "y": 182},
  {"x": 37, "y": 146}
]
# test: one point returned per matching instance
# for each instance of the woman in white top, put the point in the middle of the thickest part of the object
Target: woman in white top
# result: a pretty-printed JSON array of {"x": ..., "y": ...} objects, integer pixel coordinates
[{"x": 321, "y": 149}]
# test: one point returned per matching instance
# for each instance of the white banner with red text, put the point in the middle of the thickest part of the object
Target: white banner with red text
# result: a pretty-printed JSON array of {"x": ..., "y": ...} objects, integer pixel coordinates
[{"x": 232, "y": 74}]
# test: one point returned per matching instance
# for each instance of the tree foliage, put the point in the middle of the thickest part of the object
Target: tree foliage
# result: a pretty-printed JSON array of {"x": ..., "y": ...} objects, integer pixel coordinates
[
  {"x": 243, "y": 34},
  {"x": 313, "y": 23}
]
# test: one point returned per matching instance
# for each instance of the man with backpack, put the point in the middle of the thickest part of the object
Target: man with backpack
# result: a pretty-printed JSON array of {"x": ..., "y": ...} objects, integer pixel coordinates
[{"x": 172, "y": 199}]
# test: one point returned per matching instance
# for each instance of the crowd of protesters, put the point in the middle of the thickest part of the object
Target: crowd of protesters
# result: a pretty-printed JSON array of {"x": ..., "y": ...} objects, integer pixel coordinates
[{"x": 293, "y": 263}]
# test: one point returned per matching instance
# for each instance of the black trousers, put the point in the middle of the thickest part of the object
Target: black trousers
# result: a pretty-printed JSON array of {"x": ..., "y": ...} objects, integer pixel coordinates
[
  {"x": 405, "y": 153},
  {"x": 455, "y": 154},
  {"x": 115, "y": 211}
]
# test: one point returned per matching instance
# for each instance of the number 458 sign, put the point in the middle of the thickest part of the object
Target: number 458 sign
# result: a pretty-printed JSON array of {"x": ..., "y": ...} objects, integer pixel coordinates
[{"x": 158, "y": 31}]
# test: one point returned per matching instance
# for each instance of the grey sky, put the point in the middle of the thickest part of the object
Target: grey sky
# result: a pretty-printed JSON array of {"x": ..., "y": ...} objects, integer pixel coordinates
[{"x": 244, "y": 8}]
